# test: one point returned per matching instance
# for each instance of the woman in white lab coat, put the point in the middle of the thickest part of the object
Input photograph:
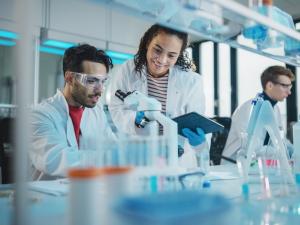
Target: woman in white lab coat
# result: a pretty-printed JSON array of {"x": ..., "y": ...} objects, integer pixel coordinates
[{"x": 161, "y": 70}]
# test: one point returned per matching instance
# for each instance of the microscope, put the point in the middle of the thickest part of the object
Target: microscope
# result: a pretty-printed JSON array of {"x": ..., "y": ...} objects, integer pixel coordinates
[{"x": 151, "y": 107}]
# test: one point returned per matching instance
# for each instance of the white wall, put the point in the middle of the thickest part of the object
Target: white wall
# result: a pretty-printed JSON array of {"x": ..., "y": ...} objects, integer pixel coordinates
[
  {"x": 72, "y": 21},
  {"x": 224, "y": 80},
  {"x": 7, "y": 14},
  {"x": 83, "y": 18},
  {"x": 51, "y": 75},
  {"x": 91, "y": 19},
  {"x": 207, "y": 71},
  {"x": 83, "y": 21},
  {"x": 250, "y": 67}
]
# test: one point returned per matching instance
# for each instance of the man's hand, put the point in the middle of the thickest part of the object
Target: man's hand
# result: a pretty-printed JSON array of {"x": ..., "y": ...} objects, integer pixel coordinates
[{"x": 194, "y": 138}]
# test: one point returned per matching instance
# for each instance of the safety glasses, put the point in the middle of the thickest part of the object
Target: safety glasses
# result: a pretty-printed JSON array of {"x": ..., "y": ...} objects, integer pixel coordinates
[
  {"x": 285, "y": 86},
  {"x": 90, "y": 80}
]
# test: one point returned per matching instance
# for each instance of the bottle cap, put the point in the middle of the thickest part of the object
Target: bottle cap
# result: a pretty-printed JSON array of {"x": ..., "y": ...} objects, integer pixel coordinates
[
  {"x": 267, "y": 2},
  {"x": 116, "y": 170},
  {"x": 206, "y": 184},
  {"x": 84, "y": 173}
]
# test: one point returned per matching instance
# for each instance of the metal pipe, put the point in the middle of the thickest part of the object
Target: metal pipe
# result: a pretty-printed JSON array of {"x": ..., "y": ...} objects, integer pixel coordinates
[{"x": 36, "y": 70}]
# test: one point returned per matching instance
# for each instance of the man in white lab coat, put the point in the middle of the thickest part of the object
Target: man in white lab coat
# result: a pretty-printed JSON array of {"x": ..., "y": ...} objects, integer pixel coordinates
[
  {"x": 161, "y": 70},
  {"x": 72, "y": 120},
  {"x": 276, "y": 82}
]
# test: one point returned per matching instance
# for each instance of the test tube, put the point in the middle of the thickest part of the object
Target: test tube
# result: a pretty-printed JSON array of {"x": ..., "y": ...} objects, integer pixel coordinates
[
  {"x": 242, "y": 165},
  {"x": 266, "y": 190}
]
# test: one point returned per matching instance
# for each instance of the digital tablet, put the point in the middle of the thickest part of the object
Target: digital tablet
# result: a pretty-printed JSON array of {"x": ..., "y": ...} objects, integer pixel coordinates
[{"x": 193, "y": 120}]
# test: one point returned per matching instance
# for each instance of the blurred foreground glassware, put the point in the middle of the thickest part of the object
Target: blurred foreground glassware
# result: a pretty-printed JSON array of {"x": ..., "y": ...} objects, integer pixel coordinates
[
  {"x": 296, "y": 153},
  {"x": 243, "y": 171},
  {"x": 192, "y": 181},
  {"x": 184, "y": 207},
  {"x": 116, "y": 184},
  {"x": 150, "y": 179},
  {"x": 138, "y": 151},
  {"x": 84, "y": 196},
  {"x": 93, "y": 191}
]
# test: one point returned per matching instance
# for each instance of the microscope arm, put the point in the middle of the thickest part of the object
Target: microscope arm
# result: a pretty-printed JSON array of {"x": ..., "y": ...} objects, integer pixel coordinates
[{"x": 170, "y": 131}]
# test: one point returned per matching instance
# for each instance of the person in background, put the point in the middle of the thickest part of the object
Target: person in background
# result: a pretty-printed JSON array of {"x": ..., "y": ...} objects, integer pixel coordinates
[
  {"x": 276, "y": 82},
  {"x": 72, "y": 120},
  {"x": 161, "y": 69}
]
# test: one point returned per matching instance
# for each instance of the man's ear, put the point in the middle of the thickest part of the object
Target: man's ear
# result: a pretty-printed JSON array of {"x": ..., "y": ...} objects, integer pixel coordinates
[
  {"x": 68, "y": 77},
  {"x": 269, "y": 85}
]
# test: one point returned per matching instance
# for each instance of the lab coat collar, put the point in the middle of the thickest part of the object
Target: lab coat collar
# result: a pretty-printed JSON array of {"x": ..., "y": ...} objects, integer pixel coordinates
[
  {"x": 63, "y": 105},
  {"x": 142, "y": 78},
  {"x": 62, "y": 100},
  {"x": 174, "y": 87},
  {"x": 139, "y": 82},
  {"x": 173, "y": 78},
  {"x": 267, "y": 97}
]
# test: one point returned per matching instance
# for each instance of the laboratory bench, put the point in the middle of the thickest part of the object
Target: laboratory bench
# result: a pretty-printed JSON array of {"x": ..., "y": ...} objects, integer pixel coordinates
[{"x": 49, "y": 200}]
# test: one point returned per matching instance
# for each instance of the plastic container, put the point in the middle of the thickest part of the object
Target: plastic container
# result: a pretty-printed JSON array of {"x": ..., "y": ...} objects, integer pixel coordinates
[
  {"x": 291, "y": 47},
  {"x": 93, "y": 192},
  {"x": 116, "y": 180},
  {"x": 261, "y": 35},
  {"x": 173, "y": 208},
  {"x": 115, "y": 186},
  {"x": 85, "y": 196},
  {"x": 203, "y": 160}
]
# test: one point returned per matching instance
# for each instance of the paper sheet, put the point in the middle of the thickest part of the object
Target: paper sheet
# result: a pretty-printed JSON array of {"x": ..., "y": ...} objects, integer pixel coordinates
[{"x": 54, "y": 187}]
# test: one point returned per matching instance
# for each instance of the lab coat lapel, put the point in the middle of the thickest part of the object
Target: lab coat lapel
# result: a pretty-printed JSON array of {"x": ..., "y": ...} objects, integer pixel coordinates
[
  {"x": 172, "y": 93},
  {"x": 70, "y": 128},
  {"x": 140, "y": 83},
  {"x": 63, "y": 108},
  {"x": 70, "y": 133}
]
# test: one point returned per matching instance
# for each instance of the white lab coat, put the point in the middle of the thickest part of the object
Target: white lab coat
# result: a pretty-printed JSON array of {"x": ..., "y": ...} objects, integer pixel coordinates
[
  {"x": 239, "y": 123},
  {"x": 54, "y": 147},
  {"x": 185, "y": 94}
]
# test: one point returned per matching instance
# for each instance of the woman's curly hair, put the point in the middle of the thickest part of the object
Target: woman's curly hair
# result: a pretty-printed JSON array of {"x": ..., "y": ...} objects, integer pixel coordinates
[{"x": 140, "y": 59}]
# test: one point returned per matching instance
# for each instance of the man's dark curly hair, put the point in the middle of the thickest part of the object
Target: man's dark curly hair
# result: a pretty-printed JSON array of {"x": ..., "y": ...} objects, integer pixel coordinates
[
  {"x": 140, "y": 59},
  {"x": 74, "y": 56}
]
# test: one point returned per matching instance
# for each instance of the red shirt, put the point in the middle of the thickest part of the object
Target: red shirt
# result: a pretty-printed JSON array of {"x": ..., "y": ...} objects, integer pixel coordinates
[{"x": 76, "y": 114}]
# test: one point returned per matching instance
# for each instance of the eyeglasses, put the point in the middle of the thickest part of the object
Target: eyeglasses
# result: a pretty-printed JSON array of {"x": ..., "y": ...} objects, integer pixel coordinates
[
  {"x": 90, "y": 80},
  {"x": 286, "y": 86}
]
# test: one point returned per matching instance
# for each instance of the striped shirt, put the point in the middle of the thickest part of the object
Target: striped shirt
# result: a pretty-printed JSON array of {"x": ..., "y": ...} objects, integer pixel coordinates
[{"x": 157, "y": 88}]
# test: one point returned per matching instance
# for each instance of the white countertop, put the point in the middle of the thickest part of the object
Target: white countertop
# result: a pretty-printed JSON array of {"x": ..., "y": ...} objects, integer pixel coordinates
[{"x": 52, "y": 208}]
